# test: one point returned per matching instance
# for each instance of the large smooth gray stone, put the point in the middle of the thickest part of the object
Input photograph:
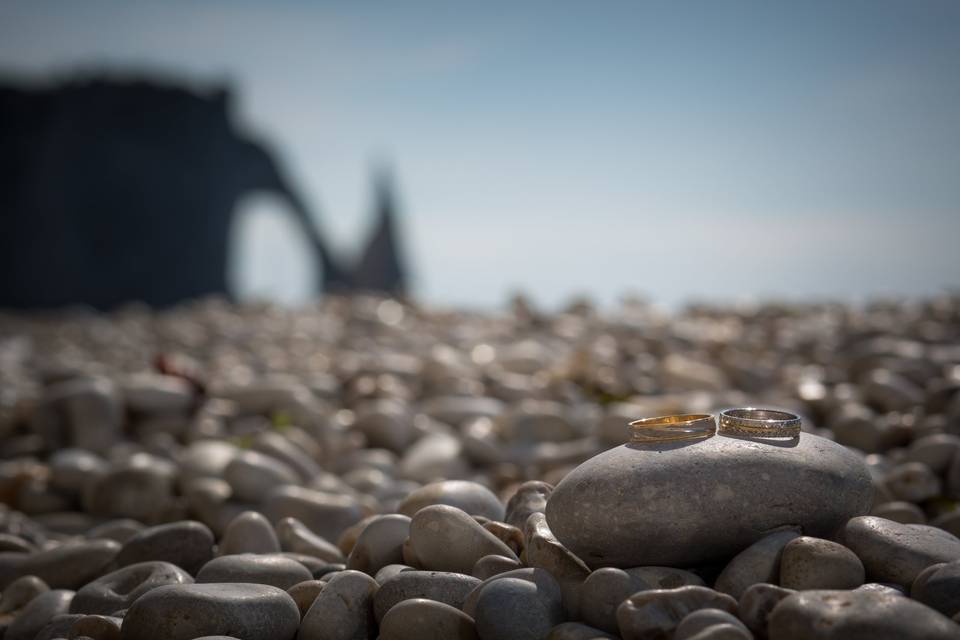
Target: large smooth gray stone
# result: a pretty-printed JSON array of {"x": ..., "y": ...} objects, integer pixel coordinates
[
  {"x": 691, "y": 502},
  {"x": 187, "y": 544},
  {"x": 448, "y": 588},
  {"x": 857, "y": 615},
  {"x": 272, "y": 569},
  {"x": 343, "y": 610},
  {"x": 421, "y": 619},
  {"x": 894, "y": 552},
  {"x": 40, "y": 611},
  {"x": 187, "y": 611},
  {"x": 119, "y": 589},
  {"x": 70, "y": 565},
  {"x": 471, "y": 497}
]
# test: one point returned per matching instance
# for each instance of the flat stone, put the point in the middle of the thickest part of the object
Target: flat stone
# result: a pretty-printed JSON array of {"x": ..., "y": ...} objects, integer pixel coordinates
[
  {"x": 703, "y": 619},
  {"x": 643, "y": 504},
  {"x": 38, "y": 613},
  {"x": 656, "y": 613},
  {"x": 449, "y": 588},
  {"x": 20, "y": 592},
  {"x": 249, "y": 532},
  {"x": 893, "y": 552},
  {"x": 857, "y": 615},
  {"x": 187, "y": 544},
  {"x": 379, "y": 544},
  {"x": 471, "y": 497},
  {"x": 271, "y": 569},
  {"x": 603, "y": 591},
  {"x": 253, "y": 475},
  {"x": 304, "y": 593},
  {"x": 70, "y": 565},
  {"x": 422, "y": 619},
  {"x": 119, "y": 589},
  {"x": 188, "y": 611},
  {"x": 760, "y": 562},
  {"x": 812, "y": 563},
  {"x": 445, "y": 538},
  {"x": 296, "y": 537},
  {"x": 530, "y": 497},
  {"x": 325, "y": 514},
  {"x": 938, "y": 586},
  {"x": 343, "y": 610},
  {"x": 757, "y": 602},
  {"x": 513, "y": 609}
]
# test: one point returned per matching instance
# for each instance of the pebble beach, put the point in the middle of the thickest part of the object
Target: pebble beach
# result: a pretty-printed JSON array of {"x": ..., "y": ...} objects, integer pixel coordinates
[{"x": 366, "y": 467}]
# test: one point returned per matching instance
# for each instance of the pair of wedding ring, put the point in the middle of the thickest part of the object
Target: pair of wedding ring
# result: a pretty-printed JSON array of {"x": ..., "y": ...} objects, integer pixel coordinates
[{"x": 749, "y": 422}]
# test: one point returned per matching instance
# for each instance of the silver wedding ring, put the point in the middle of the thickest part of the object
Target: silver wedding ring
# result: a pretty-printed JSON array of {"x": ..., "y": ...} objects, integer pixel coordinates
[{"x": 759, "y": 423}]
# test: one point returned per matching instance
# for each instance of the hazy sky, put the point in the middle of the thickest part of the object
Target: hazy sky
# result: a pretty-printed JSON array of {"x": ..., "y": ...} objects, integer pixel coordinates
[{"x": 712, "y": 149}]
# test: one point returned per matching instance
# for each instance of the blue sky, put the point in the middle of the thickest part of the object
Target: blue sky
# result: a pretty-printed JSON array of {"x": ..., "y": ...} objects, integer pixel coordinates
[{"x": 720, "y": 150}]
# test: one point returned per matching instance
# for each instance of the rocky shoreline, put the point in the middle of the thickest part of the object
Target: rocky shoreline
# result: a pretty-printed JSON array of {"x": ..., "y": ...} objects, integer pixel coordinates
[{"x": 367, "y": 468}]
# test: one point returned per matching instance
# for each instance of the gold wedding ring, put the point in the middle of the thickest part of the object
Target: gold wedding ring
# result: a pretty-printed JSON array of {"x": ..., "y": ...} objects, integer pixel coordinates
[
  {"x": 678, "y": 427},
  {"x": 759, "y": 423}
]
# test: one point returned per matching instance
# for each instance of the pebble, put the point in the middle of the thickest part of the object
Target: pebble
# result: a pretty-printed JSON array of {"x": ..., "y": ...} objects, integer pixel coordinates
[
  {"x": 935, "y": 451},
  {"x": 722, "y": 632},
  {"x": 92, "y": 408},
  {"x": 119, "y": 530},
  {"x": 657, "y": 612},
  {"x": 448, "y": 588},
  {"x": 325, "y": 514},
  {"x": 379, "y": 544},
  {"x": 21, "y": 591},
  {"x": 488, "y": 566},
  {"x": 587, "y": 513},
  {"x": 139, "y": 489},
  {"x": 544, "y": 551},
  {"x": 938, "y": 586},
  {"x": 422, "y": 619},
  {"x": 447, "y": 539},
  {"x": 471, "y": 497},
  {"x": 856, "y": 615},
  {"x": 343, "y": 610},
  {"x": 249, "y": 532},
  {"x": 59, "y": 627},
  {"x": 603, "y": 591},
  {"x": 10, "y": 542},
  {"x": 187, "y": 544},
  {"x": 899, "y": 511},
  {"x": 304, "y": 593},
  {"x": 70, "y": 469},
  {"x": 912, "y": 482},
  {"x": 273, "y": 444},
  {"x": 530, "y": 497},
  {"x": 70, "y": 565},
  {"x": 154, "y": 393},
  {"x": 577, "y": 631},
  {"x": 703, "y": 619},
  {"x": 97, "y": 627},
  {"x": 893, "y": 552},
  {"x": 272, "y": 569},
  {"x": 760, "y": 562},
  {"x": 547, "y": 587},
  {"x": 296, "y": 537},
  {"x": 389, "y": 571},
  {"x": 253, "y": 475},
  {"x": 119, "y": 589},
  {"x": 188, "y": 611},
  {"x": 812, "y": 563},
  {"x": 514, "y": 609},
  {"x": 38, "y": 613},
  {"x": 757, "y": 602}
]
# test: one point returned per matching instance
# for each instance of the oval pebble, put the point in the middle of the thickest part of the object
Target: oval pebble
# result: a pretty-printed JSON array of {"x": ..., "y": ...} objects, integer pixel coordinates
[
  {"x": 421, "y": 619},
  {"x": 271, "y": 569},
  {"x": 119, "y": 589},
  {"x": 448, "y": 588}
]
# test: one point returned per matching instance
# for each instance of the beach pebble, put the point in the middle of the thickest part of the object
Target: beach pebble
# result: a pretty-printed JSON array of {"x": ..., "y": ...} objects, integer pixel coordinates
[
  {"x": 139, "y": 489},
  {"x": 325, "y": 514},
  {"x": 379, "y": 544},
  {"x": 513, "y": 609},
  {"x": 38, "y": 613},
  {"x": 702, "y": 619},
  {"x": 577, "y": 631},
  {"x": 304, "y": 593},
  {"x": 20, "y": 592},
  {"x": 760, "y": 562},
  {"x": 93, "y": 410},
  {"x": 603, "y": 591},
  {"x": 187, "y": 544},
  {"x": 119, "y": 589},
  {"x": 343, "y": 610},
  {"x": 448, "y": 588},
  {"x": 96, "y": 627},
  {"x": 155, "y": 393},
  {"x": 59, "y": 627},
  {"x": 657, "y": 612},
  {"x": 422, "y": 619},
  {"x": 757, "y": 602},
  {"x": 530, "y": 497},
  {"x": 70, "y": 469},
  {"x": 488, "y": 566},
  {"x": 471, "y": 497},
  {"x": 547, "y": 587},
  {"x": 272, "y": 569},
  {"x": 296, "y": 537},
  {"x": 856, "y": 615},
  {"x": 893, "y": 552},
  {"x": 812, "y": 563},
  {"x": 253, "y": 475},
  {"x": 936, "y": 451},
  {"x": 188, "y": 611},
  {"x": 70, "y": 565},
  {"x": 544, "y": 551},
  {"x": 938, "y": 586},
  {"x": 249, "y": 532},
  {"x": 447, "y": 539},
  {"x": 899, "y": 511},
  {"x": 912, "y": 482},
  {"x": 119, "y": 530}
]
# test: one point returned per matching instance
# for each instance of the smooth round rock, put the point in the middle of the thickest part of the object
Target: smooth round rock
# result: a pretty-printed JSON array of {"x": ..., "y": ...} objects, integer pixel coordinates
[
  {"x": 379, "y": 544},
  {"x": 272, "y": 569},
  {"x": 724, "y": 631},
  {"x": 645, "y": 504},
  {"x": 577, "y": 631},
  {"x": 296, "y": 537},
  {"x": 119, "y": 589},
  {"x": 253, "y": 475},
  {"x": 656, "y": 613},
  {"x": 900, "y": 511},
  {"x": 893, "y": 552},
  {"x": 38, "y": 613},
  {"x": 137, "y": 490},
  {"x": 343, "y": 610},
  {"x": 304, "y": 593},
  {"x": 249, "y": 532},
  {"x": 188, "y": 611},
  {"x": 97, "y": 627},
  {"x": 445, "y": 538},
  {"x": 938, "y": 586},
  {"x": 857, "y": 615},
  {"x": 59, "y": 627},
  {"x": 448, "y": 588},
  {"x": 603, "y": 591},
  {"x": 119, "y": 530},
  {"x": 513, "y": 609},
  {"x": 473, "y": 498},
  {"x": 703, "y": 619},
  {"x": 20, "y": 592},
  {"x": 760, "y": 562},
  {"x": 757, "y": 602},
  {"x": 422, "y": 619},
  {"x": 812, "y": 563},
  {"x": 71, "y": 565},
  {"x": 530, "y": 497},
  {"x": 187, "y": 544},
  {"x": 936, "y": 451},
  {"x": 912, "y": 482},
  {"x": 488, "y": 566},
  {"x": 325, "y": 514}
]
